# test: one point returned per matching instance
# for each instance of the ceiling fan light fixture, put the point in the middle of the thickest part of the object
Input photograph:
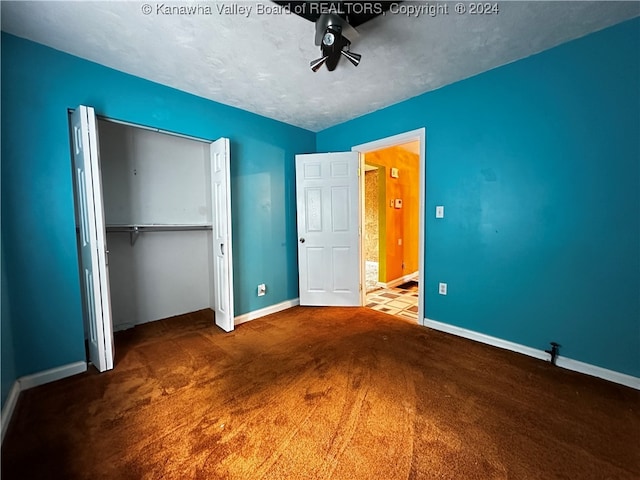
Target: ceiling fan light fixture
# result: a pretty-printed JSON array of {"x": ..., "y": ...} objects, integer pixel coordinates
[
  {"x": 316, "y": 64},
  {"x": 335, "y": 26},
  {"x": 352, "y": 57}
]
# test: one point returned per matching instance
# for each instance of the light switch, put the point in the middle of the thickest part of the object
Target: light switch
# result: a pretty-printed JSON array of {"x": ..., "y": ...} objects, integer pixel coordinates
[
  {"x": 398, "y": 203},
  {"x": 440, "y": 211}
]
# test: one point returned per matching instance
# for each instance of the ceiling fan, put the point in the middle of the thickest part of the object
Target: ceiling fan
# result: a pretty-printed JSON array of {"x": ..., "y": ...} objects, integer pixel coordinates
[{"x": 335, "y": 27}]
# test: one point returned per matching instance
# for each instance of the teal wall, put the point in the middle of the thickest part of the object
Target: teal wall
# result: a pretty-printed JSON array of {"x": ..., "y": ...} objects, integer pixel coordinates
[
  {"x": 7, "y": 354},
  {"x": 38, "y": 231},
  {"x": 538, "y": 166}
]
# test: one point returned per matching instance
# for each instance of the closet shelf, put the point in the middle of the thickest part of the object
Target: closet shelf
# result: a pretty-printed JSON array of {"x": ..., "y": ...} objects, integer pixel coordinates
[{"x": 135, "y": 230}]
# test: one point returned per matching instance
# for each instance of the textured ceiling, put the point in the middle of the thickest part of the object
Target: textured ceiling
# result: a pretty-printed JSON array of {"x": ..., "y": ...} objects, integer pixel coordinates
[{"x": 239, "y": 54}]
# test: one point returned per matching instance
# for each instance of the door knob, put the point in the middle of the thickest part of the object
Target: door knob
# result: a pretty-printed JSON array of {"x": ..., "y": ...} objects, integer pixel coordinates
[{"x": 301, "y": 240}]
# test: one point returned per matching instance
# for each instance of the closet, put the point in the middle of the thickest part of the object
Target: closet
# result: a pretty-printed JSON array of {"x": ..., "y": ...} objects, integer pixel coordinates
[
  {"x": 154, "y": 221},
  {"x": 157, "y": 206}
]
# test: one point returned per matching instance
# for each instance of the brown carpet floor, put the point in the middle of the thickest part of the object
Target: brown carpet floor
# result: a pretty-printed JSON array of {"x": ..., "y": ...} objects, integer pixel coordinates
[{"x": 321, "y": 393}]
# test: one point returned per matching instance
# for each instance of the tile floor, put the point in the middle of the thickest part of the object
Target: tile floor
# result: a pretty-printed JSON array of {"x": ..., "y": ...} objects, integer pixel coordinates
[{"x": 398, "y": 301}]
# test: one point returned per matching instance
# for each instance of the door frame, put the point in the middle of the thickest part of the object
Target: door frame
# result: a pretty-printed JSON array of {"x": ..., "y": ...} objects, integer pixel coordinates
[{"x": 392, "y": 141}]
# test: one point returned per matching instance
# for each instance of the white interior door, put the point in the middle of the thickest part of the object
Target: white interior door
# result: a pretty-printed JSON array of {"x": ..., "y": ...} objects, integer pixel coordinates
[
  {"x": 93, "y": 252},
  {"x": 328, "y": 228},
  {"x": 222, "y": 255}
]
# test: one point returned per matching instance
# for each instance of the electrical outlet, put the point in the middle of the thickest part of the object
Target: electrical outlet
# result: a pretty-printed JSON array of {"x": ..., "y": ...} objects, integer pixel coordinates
[
  {"x": 262, "y": 289},
  {"x": 442, "y": 288}
]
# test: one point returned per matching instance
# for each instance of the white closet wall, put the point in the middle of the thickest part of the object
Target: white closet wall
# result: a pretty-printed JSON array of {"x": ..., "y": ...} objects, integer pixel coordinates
[{"x": 155, "y": 179}]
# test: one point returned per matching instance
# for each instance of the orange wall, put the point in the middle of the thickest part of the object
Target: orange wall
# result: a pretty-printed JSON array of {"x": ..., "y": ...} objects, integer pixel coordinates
[{"x": 402, "y": 224}]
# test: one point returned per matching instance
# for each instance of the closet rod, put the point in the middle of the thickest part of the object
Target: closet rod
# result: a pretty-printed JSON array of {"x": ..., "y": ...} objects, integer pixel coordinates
[
  {"x": 153, "y": 129},
  {"x": 135, "y": 230}
]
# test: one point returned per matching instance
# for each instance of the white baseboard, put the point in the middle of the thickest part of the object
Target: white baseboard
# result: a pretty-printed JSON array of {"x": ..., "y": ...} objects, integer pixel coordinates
[
  {"x": 263, "y": 312},
  {"x": 594, "y": 371},
  {"x": 564, "y": 362},
  {"x": 34, "y": 380},
  {"x": 399, "y": 281},
  {"x": 47, "y": 376},
  {"x": 8, "y": 408}
]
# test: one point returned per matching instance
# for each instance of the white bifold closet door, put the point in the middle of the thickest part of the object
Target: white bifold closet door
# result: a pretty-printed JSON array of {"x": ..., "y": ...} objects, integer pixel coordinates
[
  {"x": 93, "y": 252},
  {"x": 222, "y": 252},
  {"x": 133, "y": 177}
]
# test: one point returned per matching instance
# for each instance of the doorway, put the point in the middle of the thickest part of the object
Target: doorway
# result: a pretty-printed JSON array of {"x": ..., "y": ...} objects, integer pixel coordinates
[{"x": 392, "y": 223}]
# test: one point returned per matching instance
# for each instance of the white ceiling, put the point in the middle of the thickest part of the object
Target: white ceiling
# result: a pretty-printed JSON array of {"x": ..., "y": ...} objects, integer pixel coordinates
[{"x": 260, "y": 62}]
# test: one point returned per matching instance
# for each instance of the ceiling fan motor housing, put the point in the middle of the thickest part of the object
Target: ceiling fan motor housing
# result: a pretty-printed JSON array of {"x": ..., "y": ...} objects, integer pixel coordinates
[
  {"x": 333, "y": 42},
  {"x": 332, "y": 34}
]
